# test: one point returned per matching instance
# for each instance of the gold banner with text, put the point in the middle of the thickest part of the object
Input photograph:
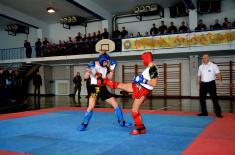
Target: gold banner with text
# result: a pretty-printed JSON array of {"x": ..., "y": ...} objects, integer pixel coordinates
[{"x": 180, "y": 40}]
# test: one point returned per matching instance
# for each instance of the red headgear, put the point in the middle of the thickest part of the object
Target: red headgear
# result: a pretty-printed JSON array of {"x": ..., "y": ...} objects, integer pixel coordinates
[{"x": 147, "y": 57}]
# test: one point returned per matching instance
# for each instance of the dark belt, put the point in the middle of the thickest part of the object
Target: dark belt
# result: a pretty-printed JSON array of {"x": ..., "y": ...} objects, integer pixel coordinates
[{"x": 213, "y": 81}]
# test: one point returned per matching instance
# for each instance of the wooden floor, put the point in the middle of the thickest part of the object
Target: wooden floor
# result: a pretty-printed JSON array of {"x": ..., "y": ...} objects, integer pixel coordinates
[{"x": 187, "y": 105}]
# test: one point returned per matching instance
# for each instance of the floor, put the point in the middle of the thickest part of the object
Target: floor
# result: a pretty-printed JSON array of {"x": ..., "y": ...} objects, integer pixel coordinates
[
  {"x": 188, "y": 105},
  {"x": 51, "y": 124},
  {"x": 54, "y": 130}
]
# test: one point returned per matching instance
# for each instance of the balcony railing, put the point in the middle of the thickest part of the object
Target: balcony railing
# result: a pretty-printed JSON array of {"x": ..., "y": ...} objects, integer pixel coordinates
[{"x": 170, "y": 41}]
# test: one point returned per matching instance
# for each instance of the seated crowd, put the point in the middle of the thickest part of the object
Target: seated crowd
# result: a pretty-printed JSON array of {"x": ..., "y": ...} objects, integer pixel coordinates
[
  {"x": 84, "y": 44},
  {"x": 10, "y": 84}
]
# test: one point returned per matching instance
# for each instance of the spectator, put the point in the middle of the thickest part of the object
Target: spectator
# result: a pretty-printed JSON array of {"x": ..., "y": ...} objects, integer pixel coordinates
[
  {"x": 45, "y": 42},
  {"x": 183, "y": 28},
  {"x": 88, "y": 87},
  {"x": 70, "y": 47},
  {"x": 201, "y": 26},
  {"x": 10, "y": 81},
  {"x": 84, "y": 37},
  {"x": 162, "y": 28},
  {"x": 38, "y": 48},
  {"x": 131, "y": 35},
  {"x": 61, "y": 48},
  {"x": 89, "y": 38},
  {"x": 172, "y": 28},
  {"x": 77, "y": 80},
  {"x": 61, "y": 43},
  {"x": 139, "y": 34},
  {"x": 28, "y": 49},
  {"x": 2, "y": 81},
  {"x": 94, "y": 37},
  {"x": 70, "y": 41},
  {"x": 154, "y": 30},
  {"x": 78, "y": 38},
  {"x": 99, "y": 35},
  {"x": 226, "y": 23},
  {"x": 116, "y": 33},
  {"x": 105, "y": 34},
  {"x": 216, "y": 25},
  {"x": 37, "y": 82},
  {"x": 233, "y": 25},
  {"x": 146, "y": 33},
  {"x": 124, "y": 32},
  {"x": 18, "y": 84}
]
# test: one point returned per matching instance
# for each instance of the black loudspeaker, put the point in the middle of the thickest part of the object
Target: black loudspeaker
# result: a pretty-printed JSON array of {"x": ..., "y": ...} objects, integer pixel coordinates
[
  {"x": 12, "y": 29},
  {"x": 178, "y": 10},
  {"x": 209, "y": 6},
  {"x": 147, "y": 8},
  {"x": 215, "y": 5},
  {"x": 142, "y": 9},
  {"x": 137, "y": 10},
  {"x": 173, "y": 12},
  {"x": 203, "y": 6},
  {"x": 182, "y": 10},
  {"x": 154, "y": 7}
]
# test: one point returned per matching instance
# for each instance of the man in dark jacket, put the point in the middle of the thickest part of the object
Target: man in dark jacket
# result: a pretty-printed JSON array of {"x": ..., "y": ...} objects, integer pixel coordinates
[
  {"x": 38, "y": 48},
  {"x": 77, "y": 80},
  {"x": 2, "y": 83},
  {"x": 28, "y": 49},
  {"x": 37, "y": 82}
]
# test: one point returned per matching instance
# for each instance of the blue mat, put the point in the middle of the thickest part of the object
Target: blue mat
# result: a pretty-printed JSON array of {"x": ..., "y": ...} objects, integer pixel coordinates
[{"x": 56, "y": 133}]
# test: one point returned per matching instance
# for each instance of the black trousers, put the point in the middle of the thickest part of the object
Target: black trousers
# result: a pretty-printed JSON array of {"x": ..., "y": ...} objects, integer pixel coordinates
[
  {"x": 77, "y": 88},
  {"x": 209, "y": 87}
]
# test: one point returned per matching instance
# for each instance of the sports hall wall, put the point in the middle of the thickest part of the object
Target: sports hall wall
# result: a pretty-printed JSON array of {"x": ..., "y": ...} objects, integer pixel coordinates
[
  {"x": 57, "y": 32},
  {"x": 52, "y": 73},
  {"x": 8, "y": 41}
]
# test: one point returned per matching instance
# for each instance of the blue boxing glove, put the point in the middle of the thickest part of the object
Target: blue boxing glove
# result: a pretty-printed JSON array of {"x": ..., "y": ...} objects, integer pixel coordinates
[
  {"x": 113, "y": 64},
  {"x": 91, "y": 65},
  {"x": 140, "y": 79}
]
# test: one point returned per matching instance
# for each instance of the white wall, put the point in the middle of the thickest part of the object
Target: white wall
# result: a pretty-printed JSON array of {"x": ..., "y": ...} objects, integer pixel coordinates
[
  {"x": 57, "y": 32},
  {"x": 8, "y": 41},
  {"x": 5, "y": 10},
  {"x": 68, "y": 72}
]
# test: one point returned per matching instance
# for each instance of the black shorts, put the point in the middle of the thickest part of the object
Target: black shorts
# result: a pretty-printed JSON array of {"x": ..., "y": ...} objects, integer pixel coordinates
[{"x": 102, "y": 92}]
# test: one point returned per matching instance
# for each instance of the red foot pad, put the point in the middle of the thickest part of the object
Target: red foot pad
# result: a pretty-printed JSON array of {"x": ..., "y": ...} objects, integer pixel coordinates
[
  {"x": 140, "y": 128},
  {"x": 138, "y": 131},
  {"x": 111, "y": 84}
]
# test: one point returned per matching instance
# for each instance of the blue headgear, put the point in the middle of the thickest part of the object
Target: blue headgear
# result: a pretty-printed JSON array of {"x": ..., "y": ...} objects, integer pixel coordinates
[{"x": 103, "y": 57}]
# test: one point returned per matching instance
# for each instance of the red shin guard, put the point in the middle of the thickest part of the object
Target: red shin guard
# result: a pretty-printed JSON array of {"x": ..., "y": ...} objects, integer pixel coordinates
[
  {"x": 140, "y": 128},
  {"x": 111, "y": 84}
]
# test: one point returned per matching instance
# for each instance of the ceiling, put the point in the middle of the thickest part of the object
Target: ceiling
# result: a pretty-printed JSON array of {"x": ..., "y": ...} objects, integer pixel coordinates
[
  {"x": 37, "y": 9},
  {"x": 120, "y": 6}
]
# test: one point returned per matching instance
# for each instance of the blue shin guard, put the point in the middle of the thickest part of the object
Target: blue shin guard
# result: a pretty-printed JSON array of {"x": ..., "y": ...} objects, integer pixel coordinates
[
  {"x": 86, "y": 120},
  {"x": 120, "y": 117}
]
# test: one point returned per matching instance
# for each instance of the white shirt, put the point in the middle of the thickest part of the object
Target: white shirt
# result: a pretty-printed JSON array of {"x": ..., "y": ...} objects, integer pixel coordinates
[
  {"x": 146, "y": 75},
  {"x": 95, "y": 70},
  {"x": 208, "y": 72}
]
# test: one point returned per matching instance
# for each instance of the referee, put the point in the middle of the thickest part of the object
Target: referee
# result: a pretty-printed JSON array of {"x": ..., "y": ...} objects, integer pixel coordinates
[{"x": 207, "y": 74}]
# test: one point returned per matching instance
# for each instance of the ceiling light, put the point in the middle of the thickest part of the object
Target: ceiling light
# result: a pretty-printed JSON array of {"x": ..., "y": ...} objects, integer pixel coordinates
[{"x": 50, "y": 10}]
